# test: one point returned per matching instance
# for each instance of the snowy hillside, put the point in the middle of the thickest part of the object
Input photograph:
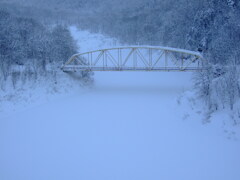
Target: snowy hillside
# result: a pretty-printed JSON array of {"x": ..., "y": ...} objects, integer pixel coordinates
[
  {"x": 89, "y": 41},
  {"x": 129, "y": 125}
]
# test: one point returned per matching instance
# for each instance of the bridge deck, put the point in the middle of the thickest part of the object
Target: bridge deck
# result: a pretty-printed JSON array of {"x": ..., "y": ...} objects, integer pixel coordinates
[{"x": 168, "y": 69}]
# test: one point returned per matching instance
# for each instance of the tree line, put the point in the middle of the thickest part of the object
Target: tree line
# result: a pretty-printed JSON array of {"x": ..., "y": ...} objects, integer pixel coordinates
[{"x": 29, "y": 50}]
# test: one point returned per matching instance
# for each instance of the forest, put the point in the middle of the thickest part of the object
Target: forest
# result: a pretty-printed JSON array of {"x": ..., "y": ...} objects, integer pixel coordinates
[
  {"x": 34, "y": 32},
  {"x": 153, "y": 92}
]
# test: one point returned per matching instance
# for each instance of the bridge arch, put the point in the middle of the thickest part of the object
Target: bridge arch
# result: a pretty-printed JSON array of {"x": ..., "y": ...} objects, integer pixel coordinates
[{"x": 136, "y": 58}]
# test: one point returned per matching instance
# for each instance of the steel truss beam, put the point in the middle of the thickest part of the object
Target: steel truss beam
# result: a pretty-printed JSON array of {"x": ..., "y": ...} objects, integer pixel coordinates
[{"x": 151, "y": 58}]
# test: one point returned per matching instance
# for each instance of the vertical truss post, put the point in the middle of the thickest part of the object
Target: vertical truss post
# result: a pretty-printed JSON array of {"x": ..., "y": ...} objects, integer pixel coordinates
[
  {"x": 166, "y": 59},
  {"x": 91, "y": 60},
  {"x": 120, "y": 58},
  {"x": 182, "y": 62},
  {"x": 134, "y": 58},
  {"x": 150, "y": 59},
  {"x": 106, "y": 56},
  {"x": 88, "y": 60},
  {"x": 104, "y": 59}
]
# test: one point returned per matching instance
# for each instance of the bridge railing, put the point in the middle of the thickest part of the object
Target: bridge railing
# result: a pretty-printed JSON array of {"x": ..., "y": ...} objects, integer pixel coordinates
[{"x": 136, "y": 58}]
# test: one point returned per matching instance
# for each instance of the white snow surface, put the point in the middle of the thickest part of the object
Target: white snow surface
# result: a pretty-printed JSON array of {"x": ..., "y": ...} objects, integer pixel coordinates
[
  {"x": 129, "y": 126},
  {"x": 87, "y": 41}
]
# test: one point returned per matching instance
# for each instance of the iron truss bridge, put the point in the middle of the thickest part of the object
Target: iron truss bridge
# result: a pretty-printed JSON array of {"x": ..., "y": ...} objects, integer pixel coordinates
[{"x": 136, "y": 58}]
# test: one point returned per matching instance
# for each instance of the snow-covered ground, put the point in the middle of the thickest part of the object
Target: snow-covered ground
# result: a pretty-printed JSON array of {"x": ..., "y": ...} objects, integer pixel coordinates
[
  {"x": 130, "y": 125},
  {"x": 89, "y": 41}
]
